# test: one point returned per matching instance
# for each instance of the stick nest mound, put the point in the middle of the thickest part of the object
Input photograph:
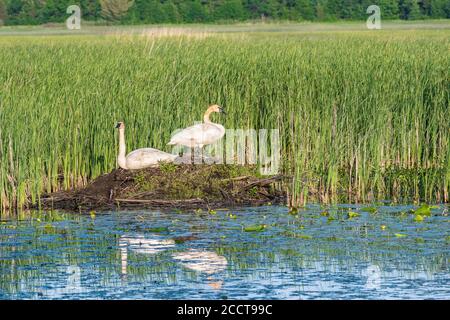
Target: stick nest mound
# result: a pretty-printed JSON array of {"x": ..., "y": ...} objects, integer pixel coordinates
[{"x": 171, "y": 186}]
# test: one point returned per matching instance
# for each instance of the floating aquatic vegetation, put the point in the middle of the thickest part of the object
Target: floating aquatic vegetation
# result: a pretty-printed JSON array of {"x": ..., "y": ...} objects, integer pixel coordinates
[
  {"x": 291, "y": 234},
  {"x": 330, "y": 219},
  {"x": 333, "y": 238},
  {"x": 255, "y": 228},
  {"x": 370, "y": 209},
  {"x": 352, "y": 214},
  {"x": 156, "y": 229},
  {"x": 400, "y": 235},
  {"x": 423, "y": 210}
]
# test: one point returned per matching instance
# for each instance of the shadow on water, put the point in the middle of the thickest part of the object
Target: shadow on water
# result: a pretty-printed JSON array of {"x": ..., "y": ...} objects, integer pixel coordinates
[{"x": 265, "y": 252}]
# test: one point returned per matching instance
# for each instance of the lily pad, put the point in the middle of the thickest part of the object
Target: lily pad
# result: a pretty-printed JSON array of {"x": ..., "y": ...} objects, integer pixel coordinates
[
  {"x": 333, "y": 238},
  {"x": 255, "y": 228},
  {"x": 370, "y": 209},
  {"x": 304, "y": 236},
  {"x": 295, "y": 235},
  {"x": 352, "y": 214},
  {"x": 157, "y": 230},
  {"x": 424, "y": 210},
  {"x": 400, "y": 235}
]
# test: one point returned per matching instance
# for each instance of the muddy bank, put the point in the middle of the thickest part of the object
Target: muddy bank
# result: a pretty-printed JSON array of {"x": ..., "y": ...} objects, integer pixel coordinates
[{"x": 172, "y": 187}]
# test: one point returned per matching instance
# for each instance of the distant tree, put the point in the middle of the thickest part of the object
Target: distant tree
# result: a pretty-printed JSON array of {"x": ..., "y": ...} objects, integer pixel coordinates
[
  {"x": 305, "y": 9},
  {"x": 324, "y": 8},
  {"x": 262, "y": 8},
  {"x": 389, "y": 9},
  {"x": 360, "y": 10},
  {"x": 171, "y": 12},
  {"x": 114, "y": 10},
  {"x": 414, "y": 12},
  {"x": 425, "y": 7},
  {"x": 193, "y": 11},
  {"x": 345, "y": 9},
  {"x": 29, "y": 12},
  {"x": 151, "y": 11},
  {"x": 90, "y": 9},
  {"x": 14, "y": 6},
  {"x": 446, "y": 9},
  {"x": 332, "y": 9},
  {"x": 409, "y": 10},
  {"x": 320, "y": 10},
  {"x": 3, "y": 12},
  {"x": 438, "y": 8},
  {"x": 52, "y": 11},
  {"x": 230, "y": 10}
]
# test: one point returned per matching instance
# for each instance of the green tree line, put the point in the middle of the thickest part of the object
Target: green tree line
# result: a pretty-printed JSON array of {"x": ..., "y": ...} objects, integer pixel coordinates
[{"x": 16, "y": 12}]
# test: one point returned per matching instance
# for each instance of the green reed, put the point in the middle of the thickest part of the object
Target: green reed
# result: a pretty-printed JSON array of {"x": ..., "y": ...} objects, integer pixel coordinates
[{"x": 362, "y": 115}]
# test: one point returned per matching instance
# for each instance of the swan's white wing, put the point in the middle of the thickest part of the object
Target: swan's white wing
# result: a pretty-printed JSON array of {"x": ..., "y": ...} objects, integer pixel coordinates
[
  {"x": 199, "y": 134},
  {"x": 142, "y": 158},
  {"x": 142, "y": 151},
  {"x": 188, "y": 136}
]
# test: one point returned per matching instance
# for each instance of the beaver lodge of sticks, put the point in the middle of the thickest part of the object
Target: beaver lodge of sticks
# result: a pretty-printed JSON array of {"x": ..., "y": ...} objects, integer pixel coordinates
[{"x": 172, "y": 186}]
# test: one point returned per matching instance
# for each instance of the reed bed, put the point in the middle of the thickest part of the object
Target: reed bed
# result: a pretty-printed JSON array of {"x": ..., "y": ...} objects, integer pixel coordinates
[{"x": 362, "y": 115}]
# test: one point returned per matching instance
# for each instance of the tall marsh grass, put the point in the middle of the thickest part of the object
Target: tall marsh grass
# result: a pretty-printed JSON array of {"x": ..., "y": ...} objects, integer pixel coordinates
[{"x": 362, "y": 115}]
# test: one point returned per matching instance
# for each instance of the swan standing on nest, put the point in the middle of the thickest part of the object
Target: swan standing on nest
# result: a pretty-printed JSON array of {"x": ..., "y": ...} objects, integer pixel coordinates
[
  {"x": 202, "y": 134},
  {"x": 140, "y": 158}
]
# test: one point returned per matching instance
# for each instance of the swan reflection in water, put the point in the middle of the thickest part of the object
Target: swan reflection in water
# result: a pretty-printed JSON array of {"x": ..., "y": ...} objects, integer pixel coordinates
[
  {"x": 373, "y": 273},
  {"x": 207, "y": 262},
  {"x": 201, "y": 261},
  {"x": 143, "y": 245}
]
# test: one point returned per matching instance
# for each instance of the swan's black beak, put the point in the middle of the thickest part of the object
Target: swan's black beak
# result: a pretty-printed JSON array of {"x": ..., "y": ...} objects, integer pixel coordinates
[
  {"x": 222, "y": 110},
  {"x": 117, "y": 125}
]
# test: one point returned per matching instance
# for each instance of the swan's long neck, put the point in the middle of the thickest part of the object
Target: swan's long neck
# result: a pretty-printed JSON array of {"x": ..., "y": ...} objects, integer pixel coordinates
[
  {"x": 123, "y": 255},
  {"x": 121, "y": 159},
  {"x": 206, "y": 116}
]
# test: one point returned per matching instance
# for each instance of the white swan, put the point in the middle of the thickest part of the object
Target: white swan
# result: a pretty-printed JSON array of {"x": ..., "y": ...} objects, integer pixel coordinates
[
  {"x": 202, "y": 134},
  {"x": 140, "y": 158}
]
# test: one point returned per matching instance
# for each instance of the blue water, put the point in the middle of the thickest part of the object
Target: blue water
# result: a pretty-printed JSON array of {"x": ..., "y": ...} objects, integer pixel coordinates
[{"x": 201, "y": 255}]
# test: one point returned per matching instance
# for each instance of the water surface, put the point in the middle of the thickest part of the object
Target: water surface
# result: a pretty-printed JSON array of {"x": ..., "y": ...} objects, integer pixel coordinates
[{"x": 320, "y": 253}]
